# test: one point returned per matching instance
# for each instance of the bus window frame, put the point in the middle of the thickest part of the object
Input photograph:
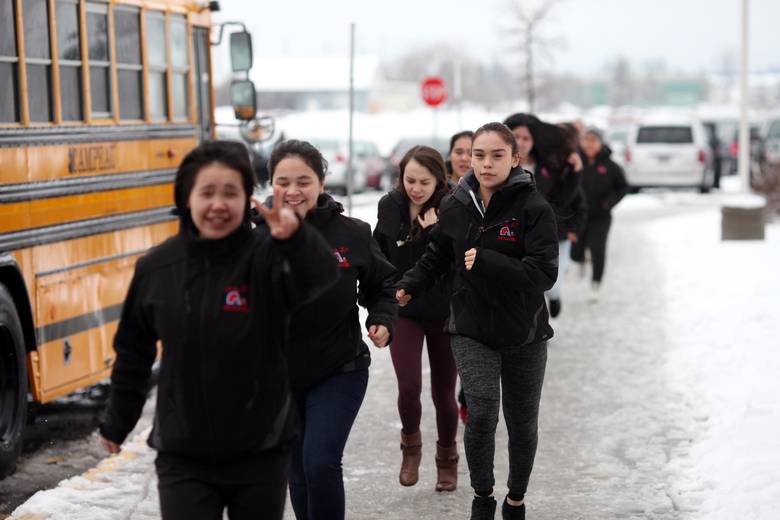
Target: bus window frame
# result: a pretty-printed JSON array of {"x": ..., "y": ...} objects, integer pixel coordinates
[
  {"x": 89, "y": 117},
  {"x": 139, "y": 12}
]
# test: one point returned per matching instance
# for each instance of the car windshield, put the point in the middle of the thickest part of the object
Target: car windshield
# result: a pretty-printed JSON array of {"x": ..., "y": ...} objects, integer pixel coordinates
[
  {"x": 665, "y": 135},
  {"x": 774, "y": 131},
  {"x": 619, "y": 136}
]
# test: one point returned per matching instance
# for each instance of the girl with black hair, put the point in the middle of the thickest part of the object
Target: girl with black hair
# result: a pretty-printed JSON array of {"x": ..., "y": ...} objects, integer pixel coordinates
[
  {"x": 406, "y": 217},
  {"x": 459, "y": 161},
  {"x": 328, "y": 359},
  {"x": 550, "y": 153},
  {"x": 217, "y": 296},
  {"x": 496, "y": 235},
  {"x": 604, "y": 184}
]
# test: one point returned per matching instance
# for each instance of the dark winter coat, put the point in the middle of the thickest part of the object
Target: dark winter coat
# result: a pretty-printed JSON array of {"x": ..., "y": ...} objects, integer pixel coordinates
[
  {"x": 326, "y": 337},
  {"x": 500, "y": 301},
  {"x": 392, "y": 234},
  {"x": 220, "y": 309},
  {"x": 562, "y": 189},
  {"x": 604, "y": 183},
  {"x": 574, "y": 216}
]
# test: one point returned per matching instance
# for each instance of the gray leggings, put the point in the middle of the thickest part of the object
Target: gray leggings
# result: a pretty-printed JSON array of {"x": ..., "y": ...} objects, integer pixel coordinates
[{"x": 520, "y": 371}]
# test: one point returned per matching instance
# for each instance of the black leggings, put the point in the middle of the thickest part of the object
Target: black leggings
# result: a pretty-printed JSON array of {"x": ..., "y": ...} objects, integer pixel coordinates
[
  {"x": 487, "y": 375},
  {"x": 249, "y": 489},
  {"x": 594, "y": 238}
]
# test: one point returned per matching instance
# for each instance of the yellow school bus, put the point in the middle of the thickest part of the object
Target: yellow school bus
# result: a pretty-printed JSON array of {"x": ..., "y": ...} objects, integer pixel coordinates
[{"x": 99, "y": 102}]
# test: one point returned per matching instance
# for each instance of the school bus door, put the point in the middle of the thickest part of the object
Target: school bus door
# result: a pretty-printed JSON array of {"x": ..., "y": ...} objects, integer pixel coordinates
[{"x": 203, "y": 107}]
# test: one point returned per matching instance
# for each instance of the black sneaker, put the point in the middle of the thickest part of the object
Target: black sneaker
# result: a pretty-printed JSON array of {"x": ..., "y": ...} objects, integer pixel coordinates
[
  {"x": 512, "y": 512},
  {"x": 555, "y": 307},
  {"x": 483, "y": 508}
]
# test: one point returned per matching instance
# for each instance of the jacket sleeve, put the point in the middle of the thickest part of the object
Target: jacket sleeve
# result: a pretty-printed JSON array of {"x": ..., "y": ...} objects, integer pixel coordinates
[
  {"x": 435, "y": 263},
  {"x": 135, "y": 344},
  {"x": 538, "y": 268},
  {"x": 619, "y": 186},
  {"x": 580, "y": 217},
  {"x": 565, "y": 187},
  {"x": 376, "y": 291},
  {"x": 307, "y": 264},
  {"x": 386, "y": 213}
]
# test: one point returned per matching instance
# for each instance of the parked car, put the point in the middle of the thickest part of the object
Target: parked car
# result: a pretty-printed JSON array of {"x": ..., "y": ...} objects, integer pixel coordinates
[
  {"x": 616, "y": 138},
  {"x": 669, "y": 153},
  {"x": 374, "y": 165},
  {"x": 406, "y": 144},
  {"x": 336, "y": 153},
  {"x": 771, "y": 144}
]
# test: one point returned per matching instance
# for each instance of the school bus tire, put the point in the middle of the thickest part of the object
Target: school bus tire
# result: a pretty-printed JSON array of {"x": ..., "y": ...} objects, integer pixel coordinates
[{"x": 13, "y": 384}]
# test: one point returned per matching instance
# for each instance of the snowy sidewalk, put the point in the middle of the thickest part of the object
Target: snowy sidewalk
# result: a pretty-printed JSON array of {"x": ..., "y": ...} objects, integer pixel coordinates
[{"x": 659, "y": 400}]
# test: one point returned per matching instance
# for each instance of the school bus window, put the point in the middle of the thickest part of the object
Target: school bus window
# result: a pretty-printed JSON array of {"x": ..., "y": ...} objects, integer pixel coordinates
[
  {"x": 127, "y": 30},
  {"x": 69, "y": 51},
  {"x": 156, "y": 52},
  {"x": 37, "y": 50},
  {"x": 99, "y": 64},
  {"x": 9, "y": 63},
  {"x": 180, "y": 65}
]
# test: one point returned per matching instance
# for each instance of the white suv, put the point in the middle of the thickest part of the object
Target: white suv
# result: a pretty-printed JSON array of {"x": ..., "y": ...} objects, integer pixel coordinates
[{"x": 668, "y": 153}]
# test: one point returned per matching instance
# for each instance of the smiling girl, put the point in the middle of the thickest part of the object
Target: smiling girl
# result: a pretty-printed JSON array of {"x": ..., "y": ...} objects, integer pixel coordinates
[
  {"x": 328, "y": 359},
  {"x": 497, "y": 235},
  {"x": 216, "y": 296}
]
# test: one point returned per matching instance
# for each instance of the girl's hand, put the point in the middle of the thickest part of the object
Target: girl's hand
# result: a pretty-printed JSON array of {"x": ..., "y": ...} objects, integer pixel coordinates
[
  {"x": 379, "y": 335},
  {"x": 575, "y": 161},
  {"x": 281, "y": 221},
  {"x": 402, "y": 297},
  {"x": 110, "y": 446},
  {"x": 430, "y": 218},
  {"x": 572, "y": 236},
  {"x": 470, "y": 258}
]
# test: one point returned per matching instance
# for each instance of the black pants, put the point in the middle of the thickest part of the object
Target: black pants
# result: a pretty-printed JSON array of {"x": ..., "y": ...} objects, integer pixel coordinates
[
  {"x": 594, "y": 238},
  {"x": 250, "y": 489},
  {"x": 514, "y": 375}
]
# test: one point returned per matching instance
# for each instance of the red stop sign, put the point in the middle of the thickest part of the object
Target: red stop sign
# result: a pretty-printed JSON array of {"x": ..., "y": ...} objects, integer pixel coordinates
[{"x": 434, "y": 91}]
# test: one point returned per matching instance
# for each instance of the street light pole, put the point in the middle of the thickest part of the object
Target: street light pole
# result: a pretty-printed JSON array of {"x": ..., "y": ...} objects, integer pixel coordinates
[
  {"x": 744, "y": 99},
  {"x": 350, "y": 161}
]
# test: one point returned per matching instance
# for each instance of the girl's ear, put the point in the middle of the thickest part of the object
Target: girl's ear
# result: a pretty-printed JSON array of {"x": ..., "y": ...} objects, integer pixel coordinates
[{"x": 516, "y": 160}]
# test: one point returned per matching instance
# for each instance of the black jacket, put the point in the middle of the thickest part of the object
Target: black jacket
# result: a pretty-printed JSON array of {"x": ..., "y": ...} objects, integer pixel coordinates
[
  {"x": 326, "y": 337},
  {"x": 562, "y": 189},
  {"x": 220, "y": 309},
  {"x": 392, "y": 235},
  {"x": 500, "y": 302},
  {"x": 574, "y": 216},
  {"x": 604, "y": 183}
]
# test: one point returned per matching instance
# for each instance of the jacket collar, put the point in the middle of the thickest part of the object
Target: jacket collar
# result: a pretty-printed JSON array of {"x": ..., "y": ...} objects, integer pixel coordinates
[
  {"x": 468, "y": 186},
  {"x": 216, "y": 249}
]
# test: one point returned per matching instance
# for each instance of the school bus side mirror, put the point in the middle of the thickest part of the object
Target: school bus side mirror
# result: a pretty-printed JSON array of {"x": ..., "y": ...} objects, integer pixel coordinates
[
  {"x": 244, "y": 99},
  {"x": 241, "y": 51}
]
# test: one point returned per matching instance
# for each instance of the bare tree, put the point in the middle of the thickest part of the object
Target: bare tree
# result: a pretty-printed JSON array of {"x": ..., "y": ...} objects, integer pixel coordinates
[{"x": 526, "y": 30}]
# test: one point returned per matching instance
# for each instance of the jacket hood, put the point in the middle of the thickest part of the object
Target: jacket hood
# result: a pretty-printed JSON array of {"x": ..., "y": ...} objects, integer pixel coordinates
[{"x": 518, "y": 177}]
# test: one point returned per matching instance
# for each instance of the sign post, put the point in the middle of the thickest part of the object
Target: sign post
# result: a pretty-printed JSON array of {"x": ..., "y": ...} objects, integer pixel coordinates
[{"x": 434, "y": 93}]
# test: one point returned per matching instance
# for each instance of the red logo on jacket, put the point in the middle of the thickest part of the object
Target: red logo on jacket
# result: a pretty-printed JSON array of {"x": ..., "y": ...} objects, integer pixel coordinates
[
  {"x": 341, "y": 256},
  {"x": 507, "y": 233},
  {"x": 602, "y": 169},
  {"x": 235, "y": 299}
]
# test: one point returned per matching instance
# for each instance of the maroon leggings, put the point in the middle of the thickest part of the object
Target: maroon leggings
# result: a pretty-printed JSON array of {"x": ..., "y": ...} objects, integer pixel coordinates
[{"x": 406, "y": 352}]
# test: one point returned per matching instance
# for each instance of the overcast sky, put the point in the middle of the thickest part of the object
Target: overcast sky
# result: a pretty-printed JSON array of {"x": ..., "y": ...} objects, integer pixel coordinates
[{"x": 689, "y": 35}]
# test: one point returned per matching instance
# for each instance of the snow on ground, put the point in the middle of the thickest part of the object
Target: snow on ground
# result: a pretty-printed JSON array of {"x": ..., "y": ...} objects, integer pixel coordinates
[
  {"x": 731, "y": 378},
  {"x": 718, "y": 322}
]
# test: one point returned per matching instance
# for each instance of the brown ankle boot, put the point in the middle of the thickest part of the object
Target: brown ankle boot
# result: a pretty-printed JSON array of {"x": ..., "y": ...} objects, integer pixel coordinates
[
  {"x": 411, "y": 448},
  {"x": 446, "y": 468}
]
